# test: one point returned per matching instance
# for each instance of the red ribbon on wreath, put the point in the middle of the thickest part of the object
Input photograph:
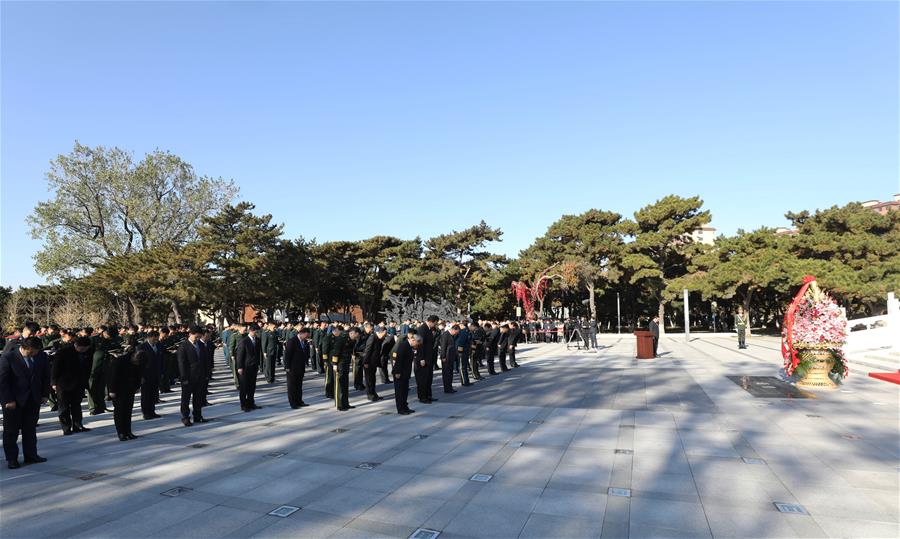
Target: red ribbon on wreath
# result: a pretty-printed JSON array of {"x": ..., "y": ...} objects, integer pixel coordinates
[{"x": 791, "y": 360}]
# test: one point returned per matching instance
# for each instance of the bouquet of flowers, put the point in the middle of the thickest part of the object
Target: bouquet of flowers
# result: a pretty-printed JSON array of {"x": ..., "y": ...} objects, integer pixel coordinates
[{"x": 814, "y": 321}]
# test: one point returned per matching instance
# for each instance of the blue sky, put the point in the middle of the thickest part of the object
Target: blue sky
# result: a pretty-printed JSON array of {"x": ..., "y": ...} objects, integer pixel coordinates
[{"x": 347, "y": 120}]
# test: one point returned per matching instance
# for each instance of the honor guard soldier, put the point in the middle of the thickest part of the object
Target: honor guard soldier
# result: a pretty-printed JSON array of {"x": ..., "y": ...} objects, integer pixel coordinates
[
  {"x": 339, "y": 349},
  {"x": 740, "y": 323}
]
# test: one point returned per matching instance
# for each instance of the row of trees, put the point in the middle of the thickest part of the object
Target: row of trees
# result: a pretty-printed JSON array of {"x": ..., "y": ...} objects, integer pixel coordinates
[{"x": 155, "y": 242}]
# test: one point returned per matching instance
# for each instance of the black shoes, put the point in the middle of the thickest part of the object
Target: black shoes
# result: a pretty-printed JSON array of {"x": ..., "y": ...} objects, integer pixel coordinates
[
  {"x": 255, "y": 407},
  {"x": 131, "y": 436},
  {"x": 122, "y": 437},
  {"x": 13, "y": 464},
  {"x": 451, "y": 391},
  {"x": 201, "y": 420},
  {"x": 154, "y": 416},
  {"x": 186, "y": 422},
  {"x": 80, "y": 428},
  {"x": 67, "y": 432},
  {"x": 35, "y": 460},
  {"x": 406, "y": 412}
]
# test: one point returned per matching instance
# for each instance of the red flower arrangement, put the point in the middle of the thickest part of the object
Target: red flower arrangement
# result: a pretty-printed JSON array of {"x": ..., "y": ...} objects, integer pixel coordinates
[{"x": 813, "y": 321}]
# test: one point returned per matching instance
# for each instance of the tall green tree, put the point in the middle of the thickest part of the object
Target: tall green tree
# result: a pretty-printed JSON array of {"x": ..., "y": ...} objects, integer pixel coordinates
[
  {"x": 462, "y": 263},
  {"x": 588, "y": 247},
  {"x": 853, "y": 251},
  {"x": 662, "y": 246},
  {"x": 743, "y": 267},
  {"x": 238, "y": 251},
  {"x": 103, "y": 205}
]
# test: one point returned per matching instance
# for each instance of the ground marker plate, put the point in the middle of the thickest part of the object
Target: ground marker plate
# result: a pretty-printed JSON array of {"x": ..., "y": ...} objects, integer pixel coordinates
[{"x": 284, "y": 511}]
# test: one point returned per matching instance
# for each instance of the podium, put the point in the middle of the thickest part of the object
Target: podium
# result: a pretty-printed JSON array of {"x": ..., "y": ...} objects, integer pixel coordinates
[{"x": 644, "y": 344}]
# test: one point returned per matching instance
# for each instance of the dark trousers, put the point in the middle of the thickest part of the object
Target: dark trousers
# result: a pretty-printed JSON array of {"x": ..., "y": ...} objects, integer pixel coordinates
[
  {"x": 169, "y": 372},
  {"x": 401, "y": 392},
  {"x": 655, "y": 345},
  {"x": 97, "y": 389},
  {"x": 329, "y": 381},
  {"x": 124, "y": 404},
  {"x": 191, "y": 393},
  {"x": 742, "y": 338},
  {"x": 473, "y": 362},
  {"x": 248, "y": 388},
  {"x": 342, "y": 387},
  {"x": 149, "y": 396},
  {"x": 370, "y": 373},
  {"x": 314, "y": 359},
  {"x": 384, "y": 371},
  {"x": 269, "y": 368},
  {"x": 512, "y": 357},
  {"x": 502, "y": 358},
  {"x": 423, "y": 383},
  {"x": 22, "y": 419},
  {"x": 462, "y": 367},
  {"x": 295, "y": 387},
  {"x": 358, "y": 374},
  {"x": 69, "y": 404},
  {"x": 489, "y": 360},
  {"x": 447, "y": 368}
]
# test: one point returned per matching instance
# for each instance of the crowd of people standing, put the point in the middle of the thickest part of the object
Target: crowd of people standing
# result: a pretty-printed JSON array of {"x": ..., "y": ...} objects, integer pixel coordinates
[{"x": 60, "y": 366}]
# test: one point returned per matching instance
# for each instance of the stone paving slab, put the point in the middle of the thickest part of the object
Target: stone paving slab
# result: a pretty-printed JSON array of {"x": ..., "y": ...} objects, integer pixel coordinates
[{"x": 573, "y": 444}]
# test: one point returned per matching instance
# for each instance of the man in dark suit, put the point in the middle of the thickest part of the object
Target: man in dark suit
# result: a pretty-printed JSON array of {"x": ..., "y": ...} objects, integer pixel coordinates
[
  {"x": 209, "y": 346},
  {"x": 654, "y": 330},
  {"x": 247, "y": 361},
  {"x": 192, "y": 371},
  {"x": 371, "y": 359},
  {"x": 424, "y": 367},
  {"x": 297, "y": 352},
  {"x": 150, "y": 352},
  {"x": 403, "y": 359},
  {"x": 24, "y": 387},
  {"x": 449, "y": 357},
  {"x": 490, "y": 346},
  {"x": 69, "y": 376},
  {"x": 387, "y": 346},
  {"x": 122, "y": 383},
  {"x": 503, "y": 346},
  {"x": 514, "y": 333}
]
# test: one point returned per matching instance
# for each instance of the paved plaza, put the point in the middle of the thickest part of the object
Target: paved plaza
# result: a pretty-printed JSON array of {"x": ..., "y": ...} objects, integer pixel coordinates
[{"x": 572, "y": 444}]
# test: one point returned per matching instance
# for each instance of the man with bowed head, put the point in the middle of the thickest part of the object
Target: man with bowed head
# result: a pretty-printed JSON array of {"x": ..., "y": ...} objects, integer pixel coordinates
[{"x": 24, "y": 387}]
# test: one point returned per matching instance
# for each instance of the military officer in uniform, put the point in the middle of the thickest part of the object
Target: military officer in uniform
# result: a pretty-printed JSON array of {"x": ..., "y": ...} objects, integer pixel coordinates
[
  {"x": 740, "y": 323},
  {"x": 339, "y": 350}
]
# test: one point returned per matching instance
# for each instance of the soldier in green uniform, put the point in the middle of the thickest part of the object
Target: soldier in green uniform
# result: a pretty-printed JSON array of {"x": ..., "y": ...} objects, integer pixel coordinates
[
  {"x": 359, "y": 348},
  {"x": 234, "y": 338},
  {"x": 740, "y": 323},
  {"x": 339, "y": 349},
  {"x": 324, "y": 362},
  {"x": 269, "y": 342},
  {"x": 103, "y": 343}
]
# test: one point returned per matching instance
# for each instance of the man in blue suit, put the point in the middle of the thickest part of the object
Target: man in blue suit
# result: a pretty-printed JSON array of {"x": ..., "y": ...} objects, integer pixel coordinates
[{"x": 24, "y": 387}]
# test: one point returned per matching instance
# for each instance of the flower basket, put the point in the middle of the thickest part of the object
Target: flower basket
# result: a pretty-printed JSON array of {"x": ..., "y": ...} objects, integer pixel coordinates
[{"x": 815, "y": 330}]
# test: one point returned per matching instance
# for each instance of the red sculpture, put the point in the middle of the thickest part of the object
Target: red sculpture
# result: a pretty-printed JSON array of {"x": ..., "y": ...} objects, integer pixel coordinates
[{"x": 529, "y": 294}]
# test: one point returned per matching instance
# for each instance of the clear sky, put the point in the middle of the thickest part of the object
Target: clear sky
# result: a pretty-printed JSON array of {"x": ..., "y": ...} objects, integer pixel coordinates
[{"x": 347, "y": 120}]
